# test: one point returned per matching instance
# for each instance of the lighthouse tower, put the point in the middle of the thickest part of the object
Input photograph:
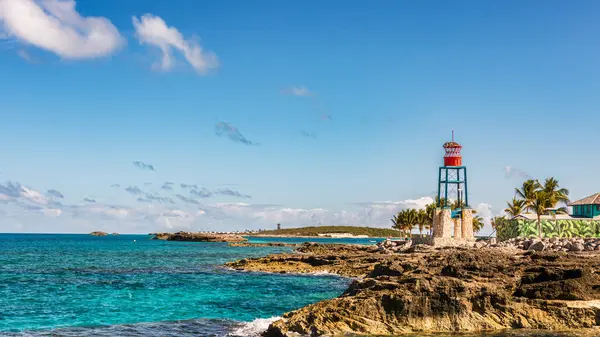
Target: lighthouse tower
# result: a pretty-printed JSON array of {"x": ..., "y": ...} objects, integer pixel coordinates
[{"x": 453, "y": 223}]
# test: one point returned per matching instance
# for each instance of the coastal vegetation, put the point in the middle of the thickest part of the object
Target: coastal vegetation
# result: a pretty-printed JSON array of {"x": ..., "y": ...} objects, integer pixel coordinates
[
  {"x": 539, "y": 199},
  {"x": 316, "y": 230},
  {"x": 409, "y": 219}
]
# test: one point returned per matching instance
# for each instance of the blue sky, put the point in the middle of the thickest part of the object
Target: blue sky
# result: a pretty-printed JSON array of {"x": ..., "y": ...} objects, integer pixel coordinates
[{"x": 348, "y": 103}]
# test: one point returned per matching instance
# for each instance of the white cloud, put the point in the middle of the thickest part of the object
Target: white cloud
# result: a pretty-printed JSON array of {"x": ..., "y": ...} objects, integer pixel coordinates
[
  {"x": 300, "y": 91},
  {"x": 485, "y": 211},
  {"x": 52, "y": 212},
  {"x": 14, "y": 191},
  {"x": 25, "y": 56},
  {"x": 33, "y": 196},
  {"x": 510, "y": 172},
  {"x": 153, "y": 30},
  {"x": 56, "y": 26}
]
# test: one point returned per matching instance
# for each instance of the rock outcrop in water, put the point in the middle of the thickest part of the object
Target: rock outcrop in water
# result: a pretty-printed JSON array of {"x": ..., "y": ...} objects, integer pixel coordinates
[
  {"x": 199, "y": 237},
  {"x": 98, "y": 233},
  {"x": 267, "y": 244},
  {"x": 446, "y": 290},
  {"x": 345, "y": 260}
]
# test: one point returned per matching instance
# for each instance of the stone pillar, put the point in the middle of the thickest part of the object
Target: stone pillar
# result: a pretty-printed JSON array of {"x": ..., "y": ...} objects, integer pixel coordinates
[
  {"x": 457, "y": 228},
  {"x": 442, "y": 223},
  {"x": 467, "y": 224},
  {"x": 435, "y": 231}
]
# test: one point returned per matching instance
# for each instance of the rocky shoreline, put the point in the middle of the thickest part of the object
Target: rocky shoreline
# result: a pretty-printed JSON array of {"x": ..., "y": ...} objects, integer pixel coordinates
[
  {"x": 268, "y": 244},
  {"x": 198, "y": 237},
  {"x": 309, "y": 258},
  {"x": 400, "y": 288}
]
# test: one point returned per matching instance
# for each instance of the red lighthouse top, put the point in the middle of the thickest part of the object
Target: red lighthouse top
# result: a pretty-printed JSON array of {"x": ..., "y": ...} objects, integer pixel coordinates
[{"x": 452, "y": 156}]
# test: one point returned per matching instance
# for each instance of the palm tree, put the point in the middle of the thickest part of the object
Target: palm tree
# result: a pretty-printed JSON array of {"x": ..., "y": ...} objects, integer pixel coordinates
[
  {"x": 422, "y": 215},
  {"x": 496, "y": 221},
  {"x": 556, "y": 194},
  {"x": 439, "y": 202},
  {"x": 405, "y": 220},
  {"x": 455, "y": 204},
  {"x": 411, "y": 220},
  {"x": 528, "y": 190},
  {"x": 477, "y": 223},
  {"x": 429, "y": 214},
  {"x": 397, "y": 221},
  {"x": 515, "y": 207},
  {"x": 539, "y": 205}
]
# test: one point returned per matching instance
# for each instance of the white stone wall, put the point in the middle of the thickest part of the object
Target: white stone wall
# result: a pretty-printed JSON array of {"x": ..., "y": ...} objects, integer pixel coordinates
[
  {"x": 467, "y": 224},
  {"x": 457, "y": 229},
  {"x": 443, "y": 223}
]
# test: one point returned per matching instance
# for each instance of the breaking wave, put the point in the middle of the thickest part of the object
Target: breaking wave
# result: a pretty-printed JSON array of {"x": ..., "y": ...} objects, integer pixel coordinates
[{"x": 254, "y": 328}]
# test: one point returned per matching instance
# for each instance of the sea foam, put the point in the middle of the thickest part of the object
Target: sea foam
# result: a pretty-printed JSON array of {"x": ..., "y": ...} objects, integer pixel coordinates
[{"x": 254, "y": 328}]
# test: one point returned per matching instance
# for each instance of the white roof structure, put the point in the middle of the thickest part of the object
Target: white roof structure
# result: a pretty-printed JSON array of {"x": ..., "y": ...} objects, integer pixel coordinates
[{"x": 533, "y": 216}]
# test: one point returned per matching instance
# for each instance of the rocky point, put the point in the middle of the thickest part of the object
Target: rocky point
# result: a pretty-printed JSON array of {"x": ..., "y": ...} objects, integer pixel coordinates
[
  {"x": 404, "y": 288},
  {"x": 199, "y": 237}
]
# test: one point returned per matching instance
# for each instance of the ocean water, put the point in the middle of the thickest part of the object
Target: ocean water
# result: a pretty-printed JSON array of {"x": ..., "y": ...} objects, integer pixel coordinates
[{"x": 130, "y": 285}]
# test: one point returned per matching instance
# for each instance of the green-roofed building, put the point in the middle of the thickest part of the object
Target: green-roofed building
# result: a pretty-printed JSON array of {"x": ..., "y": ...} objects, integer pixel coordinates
[{"x": 588, "y": 207}]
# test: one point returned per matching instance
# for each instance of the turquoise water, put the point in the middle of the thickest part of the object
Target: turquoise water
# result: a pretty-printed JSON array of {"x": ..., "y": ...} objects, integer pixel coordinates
[{"x": 132, "y": 285}]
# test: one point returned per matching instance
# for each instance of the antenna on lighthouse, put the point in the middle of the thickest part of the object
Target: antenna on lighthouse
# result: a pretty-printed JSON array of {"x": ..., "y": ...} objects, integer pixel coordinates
[{"x": 452, "y": 135}]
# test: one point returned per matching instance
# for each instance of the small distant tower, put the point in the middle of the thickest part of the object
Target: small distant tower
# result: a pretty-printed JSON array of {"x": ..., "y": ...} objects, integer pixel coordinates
[
  {"x": 278, "y": 226},
  {"x": 452, "y": 187}
]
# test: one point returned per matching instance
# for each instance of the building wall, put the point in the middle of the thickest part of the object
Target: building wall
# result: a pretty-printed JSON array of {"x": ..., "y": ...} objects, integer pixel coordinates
[
  {"x": 588, "y": 211},
  {"x": 508, "y": 229}
]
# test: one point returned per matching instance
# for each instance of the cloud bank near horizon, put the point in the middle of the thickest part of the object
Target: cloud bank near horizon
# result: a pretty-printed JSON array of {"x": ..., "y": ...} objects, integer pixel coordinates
[{"x": 27, "y": 210}]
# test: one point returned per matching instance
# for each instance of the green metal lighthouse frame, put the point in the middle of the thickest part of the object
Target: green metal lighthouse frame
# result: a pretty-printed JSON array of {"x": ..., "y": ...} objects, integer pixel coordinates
[{"x": 452, "y": 179}]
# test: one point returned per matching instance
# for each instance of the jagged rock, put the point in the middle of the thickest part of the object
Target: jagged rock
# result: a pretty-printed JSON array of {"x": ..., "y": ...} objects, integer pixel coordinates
[
  {"x": 453, "y": 290},
  {"x": 577, "y": 247},
  {"x": 552, "y": 244},
  {"x": 98, "y": 233},
  {"x": 345, "y": 260},
  {"x": 537, "y": 246},
  {"x": 526, "y": 244}
]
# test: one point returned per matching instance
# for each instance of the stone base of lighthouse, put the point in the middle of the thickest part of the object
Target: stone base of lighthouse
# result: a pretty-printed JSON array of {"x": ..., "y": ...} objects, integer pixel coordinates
[{"x": 448, "y": 231}]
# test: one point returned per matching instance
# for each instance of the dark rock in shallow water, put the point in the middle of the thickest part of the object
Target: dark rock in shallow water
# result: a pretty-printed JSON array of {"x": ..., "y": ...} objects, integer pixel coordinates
[{"x": 99, "y": 233}]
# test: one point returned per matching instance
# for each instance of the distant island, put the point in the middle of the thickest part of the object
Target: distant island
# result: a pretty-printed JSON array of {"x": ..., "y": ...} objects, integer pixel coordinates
[
  {"x": 333, "y": 232},
  {"x": 98, "y": 233}
]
